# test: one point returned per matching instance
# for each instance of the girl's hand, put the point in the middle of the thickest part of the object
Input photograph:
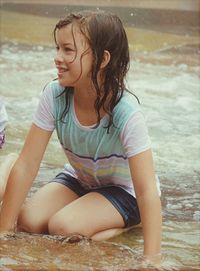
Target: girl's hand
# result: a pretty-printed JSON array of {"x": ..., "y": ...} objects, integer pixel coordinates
[
  {"x": 153, "y": 259},
  {"x": 152, "y": 262}
]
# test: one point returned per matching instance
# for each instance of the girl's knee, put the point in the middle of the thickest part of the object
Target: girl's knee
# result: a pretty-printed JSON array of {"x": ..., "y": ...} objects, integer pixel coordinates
[
  {"x": 29, "y": 222},
  {"x": 60, "y": 226},
  {"x": 23, "y": 221},
  {"x": 56, "y": 226}
]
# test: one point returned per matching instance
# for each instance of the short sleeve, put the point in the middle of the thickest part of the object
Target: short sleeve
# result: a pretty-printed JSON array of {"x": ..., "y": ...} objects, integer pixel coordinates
[
  {"x": 134, "y": 136},
  {"x": 44, "y": 115}
]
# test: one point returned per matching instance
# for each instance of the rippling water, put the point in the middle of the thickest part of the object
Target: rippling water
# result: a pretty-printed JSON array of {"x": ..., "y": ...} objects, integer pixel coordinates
[{"x": 168, "y": 87}]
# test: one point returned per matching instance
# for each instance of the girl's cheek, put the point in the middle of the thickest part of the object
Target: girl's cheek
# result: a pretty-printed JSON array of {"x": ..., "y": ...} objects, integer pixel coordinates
[{"x": 69, "y": 58}]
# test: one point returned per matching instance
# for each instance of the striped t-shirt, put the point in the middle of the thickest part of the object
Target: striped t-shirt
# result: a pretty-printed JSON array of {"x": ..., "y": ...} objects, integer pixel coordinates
[{"x": 95, "y": 157}]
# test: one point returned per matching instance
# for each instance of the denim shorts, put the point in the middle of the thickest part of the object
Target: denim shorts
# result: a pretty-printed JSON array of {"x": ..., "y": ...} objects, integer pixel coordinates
[{"x": 124, "y": 202}]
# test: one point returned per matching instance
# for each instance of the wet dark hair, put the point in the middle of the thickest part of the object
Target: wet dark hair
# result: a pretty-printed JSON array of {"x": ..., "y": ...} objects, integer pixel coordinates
[{"x": 102, "y": 31}]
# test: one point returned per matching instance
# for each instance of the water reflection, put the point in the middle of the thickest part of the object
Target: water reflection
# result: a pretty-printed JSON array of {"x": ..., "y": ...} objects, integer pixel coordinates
[{"x": 165, "y": 76}]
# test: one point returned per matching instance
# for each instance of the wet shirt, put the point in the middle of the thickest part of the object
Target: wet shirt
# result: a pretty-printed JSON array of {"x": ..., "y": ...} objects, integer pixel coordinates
[{"x": 96, "y": 157}]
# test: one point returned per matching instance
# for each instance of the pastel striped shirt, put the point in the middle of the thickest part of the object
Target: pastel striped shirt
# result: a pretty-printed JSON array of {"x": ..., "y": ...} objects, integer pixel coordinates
[{"x": 95, "y": 157}]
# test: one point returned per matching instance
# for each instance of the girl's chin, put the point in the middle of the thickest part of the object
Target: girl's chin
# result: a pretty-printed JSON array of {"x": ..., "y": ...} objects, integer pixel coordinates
[{"x": 63, "y": 84}]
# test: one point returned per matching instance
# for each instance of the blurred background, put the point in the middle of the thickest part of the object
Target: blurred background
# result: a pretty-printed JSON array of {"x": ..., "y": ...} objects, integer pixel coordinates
[
  {"x": 164, "y": 44},
  {"x": 170, "y": 16}
]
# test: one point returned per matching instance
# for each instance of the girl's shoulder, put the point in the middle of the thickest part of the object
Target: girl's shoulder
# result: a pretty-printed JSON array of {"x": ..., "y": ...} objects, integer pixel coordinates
[
  {"x": 53, "y": 92},
  {"x": 58, "y": 96},
  {"x": 54, "y": 87},
  {"x": 127, "y": 105}
]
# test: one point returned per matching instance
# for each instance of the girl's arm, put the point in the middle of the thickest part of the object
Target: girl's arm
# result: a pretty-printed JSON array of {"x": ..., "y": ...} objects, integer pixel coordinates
[
  {"x": 143, "y": 176},
  {"x": 22, "y": 176}
]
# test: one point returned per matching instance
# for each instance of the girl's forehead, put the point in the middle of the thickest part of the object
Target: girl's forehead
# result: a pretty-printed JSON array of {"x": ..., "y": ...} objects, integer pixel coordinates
[{"x": 70, "y": 32}]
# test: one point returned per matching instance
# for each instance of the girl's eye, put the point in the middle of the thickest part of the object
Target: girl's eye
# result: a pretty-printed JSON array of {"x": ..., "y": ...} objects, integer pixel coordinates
[{"x": 68, "y": 49}]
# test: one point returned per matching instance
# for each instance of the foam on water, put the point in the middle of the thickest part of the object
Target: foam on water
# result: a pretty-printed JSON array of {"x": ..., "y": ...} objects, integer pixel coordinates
[{"x": 170, "y": 99}]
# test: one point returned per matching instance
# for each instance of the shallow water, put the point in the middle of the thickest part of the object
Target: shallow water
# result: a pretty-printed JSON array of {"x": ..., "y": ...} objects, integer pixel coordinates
[
  {"x": 53, "y": 252},
  {"x": 166, "y": 79}
]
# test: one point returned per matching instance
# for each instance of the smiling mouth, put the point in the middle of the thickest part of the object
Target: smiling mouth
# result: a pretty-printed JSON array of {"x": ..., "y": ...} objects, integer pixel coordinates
[{"x": 61, "y": 71}]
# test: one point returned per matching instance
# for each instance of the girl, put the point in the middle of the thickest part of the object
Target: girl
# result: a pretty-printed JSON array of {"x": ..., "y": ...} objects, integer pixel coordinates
[{"x": 109, "y": 183}]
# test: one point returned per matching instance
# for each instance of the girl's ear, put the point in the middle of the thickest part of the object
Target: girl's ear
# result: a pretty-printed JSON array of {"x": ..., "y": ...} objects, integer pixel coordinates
[{"x": 106, "y": 59}]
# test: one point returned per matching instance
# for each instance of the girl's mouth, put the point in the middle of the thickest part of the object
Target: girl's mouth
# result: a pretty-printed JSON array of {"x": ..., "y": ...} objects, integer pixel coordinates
[{"x": 61, "y": 71}]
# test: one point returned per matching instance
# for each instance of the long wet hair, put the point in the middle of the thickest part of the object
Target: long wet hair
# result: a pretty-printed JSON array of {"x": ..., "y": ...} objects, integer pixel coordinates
[{"x": 102, "y": 31}]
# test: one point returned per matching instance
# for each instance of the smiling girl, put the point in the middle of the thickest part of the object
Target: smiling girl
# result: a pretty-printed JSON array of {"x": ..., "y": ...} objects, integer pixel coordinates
[{"x": 109, "y": 183}]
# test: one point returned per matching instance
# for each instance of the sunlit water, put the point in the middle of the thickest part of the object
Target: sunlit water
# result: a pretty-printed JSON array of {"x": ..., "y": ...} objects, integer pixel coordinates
[{"x": 170, "y": 98}]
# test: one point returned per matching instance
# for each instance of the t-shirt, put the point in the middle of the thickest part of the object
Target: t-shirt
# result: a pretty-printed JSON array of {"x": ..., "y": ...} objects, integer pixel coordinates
[{"x": 95, "y": 157}]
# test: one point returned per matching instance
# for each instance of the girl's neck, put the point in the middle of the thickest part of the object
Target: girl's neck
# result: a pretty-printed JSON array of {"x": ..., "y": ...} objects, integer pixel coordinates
[
  {"x": 84, "y": 106},
  {"x": 85, "y": 93},
  {"x": 84, "y": 97}
]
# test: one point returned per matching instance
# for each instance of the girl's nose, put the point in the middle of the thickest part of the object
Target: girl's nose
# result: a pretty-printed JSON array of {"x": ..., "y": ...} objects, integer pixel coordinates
[{"x": 58, "y": 57}]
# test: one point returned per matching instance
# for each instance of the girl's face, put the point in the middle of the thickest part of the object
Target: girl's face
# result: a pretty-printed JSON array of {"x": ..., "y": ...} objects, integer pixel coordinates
[{"x": 74, "y": 57}]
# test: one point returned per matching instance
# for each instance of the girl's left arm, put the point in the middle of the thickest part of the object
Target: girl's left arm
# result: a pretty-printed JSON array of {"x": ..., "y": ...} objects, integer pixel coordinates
[{"x": 144, "y": 182}]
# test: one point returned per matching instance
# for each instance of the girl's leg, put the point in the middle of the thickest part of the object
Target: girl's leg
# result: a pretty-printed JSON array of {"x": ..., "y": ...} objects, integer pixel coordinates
[
  {"x": 110, "y": 233},
  {"x": 87, "y": 215},
  {"x": 48, "y": 200},
  {"x": 5, "y": 169}
]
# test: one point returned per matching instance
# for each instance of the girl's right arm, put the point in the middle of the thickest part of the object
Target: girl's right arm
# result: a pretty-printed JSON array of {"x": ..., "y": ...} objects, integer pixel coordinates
[{"x": 22, "y": 175}]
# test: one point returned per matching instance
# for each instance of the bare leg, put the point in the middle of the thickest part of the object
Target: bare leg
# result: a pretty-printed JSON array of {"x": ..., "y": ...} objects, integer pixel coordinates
[
  {"x": 48, "y": 200},
  {"x": 55, "y": 209},
  {"x": 5, "y": 169},
  {"x": 88, "y": 215},
  {"x": 110, "y": 233}
]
